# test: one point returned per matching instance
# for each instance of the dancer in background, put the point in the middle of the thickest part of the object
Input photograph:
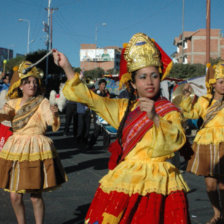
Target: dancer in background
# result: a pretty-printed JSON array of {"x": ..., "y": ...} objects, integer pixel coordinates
[
  {"x": 141, "y": 186},
  {"x": 208, "y": 145},
  {"x": 28, "y": 161}
]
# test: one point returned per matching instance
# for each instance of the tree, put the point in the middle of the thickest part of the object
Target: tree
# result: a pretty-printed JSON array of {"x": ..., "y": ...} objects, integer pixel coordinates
[
  {"x": 52, "y": 68},
  {"x": 77, "y": 69},
  {"x": 95, "y": 73},
  {"x": 112, "y": 71},
  {"x": 185, "y": 71}
]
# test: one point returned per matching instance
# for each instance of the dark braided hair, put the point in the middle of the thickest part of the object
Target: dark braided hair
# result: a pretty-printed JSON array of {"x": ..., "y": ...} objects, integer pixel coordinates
[
  {"x": 213, "y": 94},
  {"x": 132, "y": 97}
]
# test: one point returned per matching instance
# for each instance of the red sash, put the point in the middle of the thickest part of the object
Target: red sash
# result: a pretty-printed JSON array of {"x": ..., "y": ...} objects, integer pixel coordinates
[
  {"x": 5, "y": 132},
  {"x": 138, "y": 123}
]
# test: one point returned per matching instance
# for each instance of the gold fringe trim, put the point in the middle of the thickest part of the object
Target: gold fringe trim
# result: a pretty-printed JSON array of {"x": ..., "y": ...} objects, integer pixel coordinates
[
  {"x": 124, "y": 79},
  {"x": 27, "y": 156},
  {"x": 168, "y": 69},
  {"x": 109, "y": 218},
  {"x": 12, "y": 93},
  {"x": 33, "y": 191}
]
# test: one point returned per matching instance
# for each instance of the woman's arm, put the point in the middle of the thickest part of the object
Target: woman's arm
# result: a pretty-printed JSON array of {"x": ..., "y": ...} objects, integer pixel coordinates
[
  {"x": 192, "y": 111},
  {"x": 49, "y": 114},
  {"x": 168, "y": 136},
  {"x": 61, "y": 60},
  {"x": 111, "y": 110},
  {"x": 188, "y": 109}
]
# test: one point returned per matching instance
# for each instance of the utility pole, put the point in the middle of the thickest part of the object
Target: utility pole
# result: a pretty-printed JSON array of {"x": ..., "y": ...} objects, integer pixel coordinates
[
  {"x": 48, "y": 23},
  {"x": 49, "y": 31},
  {"x": 183, "y": 33},
  {"x": 208, "y": 19}
]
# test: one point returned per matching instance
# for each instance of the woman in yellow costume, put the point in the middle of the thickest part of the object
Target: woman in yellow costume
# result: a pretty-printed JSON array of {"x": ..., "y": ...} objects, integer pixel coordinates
[
  {"x": 208, "y": 145},
  {"x": 28, "y": 160},
  {"x": 141, "y": 186}
]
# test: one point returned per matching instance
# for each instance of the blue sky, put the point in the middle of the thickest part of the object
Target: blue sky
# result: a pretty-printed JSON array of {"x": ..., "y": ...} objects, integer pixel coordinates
[{"x": 75, "y": 22}]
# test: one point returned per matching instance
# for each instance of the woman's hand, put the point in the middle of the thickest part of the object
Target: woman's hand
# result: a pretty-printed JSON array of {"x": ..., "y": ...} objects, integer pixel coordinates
[
  {"x": 187, "y": 89},
  {"x": 61, "y": 60},
  {"x": 54, "y": 109},
  {"x": 148, "y": 106}
]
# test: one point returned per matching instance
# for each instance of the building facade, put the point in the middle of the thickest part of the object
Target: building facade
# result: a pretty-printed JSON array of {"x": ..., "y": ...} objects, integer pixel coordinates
[
  {"x": 107, "y": 58},
  {"x": 191, "y": 46}
]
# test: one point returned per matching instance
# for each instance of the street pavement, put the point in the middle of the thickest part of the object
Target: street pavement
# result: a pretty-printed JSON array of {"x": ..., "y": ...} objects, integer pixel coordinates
[{"x": 69, "y": 203}]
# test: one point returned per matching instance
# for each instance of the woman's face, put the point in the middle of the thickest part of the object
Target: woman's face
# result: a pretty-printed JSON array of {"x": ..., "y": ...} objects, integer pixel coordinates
[
  {"x": 219, "y": 87},
  {"x": 147, "y": 82},
  {"x": 29, "y": 87}
]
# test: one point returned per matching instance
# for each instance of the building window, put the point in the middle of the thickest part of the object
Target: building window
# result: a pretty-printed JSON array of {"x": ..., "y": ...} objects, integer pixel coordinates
[
  {"x": 185, "y": 44},
  {"x": 185, "y": 61},
  {"x": 178, "y": 50}
]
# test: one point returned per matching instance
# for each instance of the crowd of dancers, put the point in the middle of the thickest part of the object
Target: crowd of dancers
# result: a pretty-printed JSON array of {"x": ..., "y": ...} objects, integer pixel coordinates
[{"x": 142, "y": 185}]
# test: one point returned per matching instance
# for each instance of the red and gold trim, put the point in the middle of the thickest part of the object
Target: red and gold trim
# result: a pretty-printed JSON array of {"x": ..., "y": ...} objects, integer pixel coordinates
[
  {"x": 118, "y": 207},
  {"x": 138, "y": 123}
]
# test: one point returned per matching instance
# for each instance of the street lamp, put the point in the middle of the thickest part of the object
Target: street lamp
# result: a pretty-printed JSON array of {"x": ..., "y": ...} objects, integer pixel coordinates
[
  {"x": 28, "y": 33},
  {"x": 96, "y": 31}
]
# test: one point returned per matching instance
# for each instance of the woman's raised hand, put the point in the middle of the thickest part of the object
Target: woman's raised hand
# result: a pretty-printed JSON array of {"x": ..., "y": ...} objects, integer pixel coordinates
[
  {"x": 54, "y": 109},
  {"x": 62, "y": 61},
  {"x": 148, "y": 106},
  {"x": 187, "y": 89}
]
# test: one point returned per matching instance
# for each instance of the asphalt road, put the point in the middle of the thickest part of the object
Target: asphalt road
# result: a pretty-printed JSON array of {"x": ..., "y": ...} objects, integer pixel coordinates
[{"x": 69, "y": 203}]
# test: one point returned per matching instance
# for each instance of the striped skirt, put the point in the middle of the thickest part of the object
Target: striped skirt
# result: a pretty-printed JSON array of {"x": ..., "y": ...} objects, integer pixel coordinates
[
  {"x": 207, "y": 160},
  {"x": 30, "y": 164}
]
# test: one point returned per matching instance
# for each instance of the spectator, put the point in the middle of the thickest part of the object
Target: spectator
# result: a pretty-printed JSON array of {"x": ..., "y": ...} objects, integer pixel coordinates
[
  {"x": 70, "y": 116},
  {"x": 83, "y": 125},
  {"x": 98, "y": 130},
  {"x": 5, "y": 82}
]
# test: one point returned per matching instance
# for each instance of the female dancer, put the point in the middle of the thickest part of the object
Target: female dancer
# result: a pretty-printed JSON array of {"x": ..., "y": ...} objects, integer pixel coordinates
[
  {"x": 208, "y": 145},
  {"x": 142, "y": 187},
  {"x": 28, "y": 160}
]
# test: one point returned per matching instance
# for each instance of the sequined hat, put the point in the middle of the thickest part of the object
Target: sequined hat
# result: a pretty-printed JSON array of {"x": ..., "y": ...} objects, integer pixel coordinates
[
  {"x": 19, "y": 74},
  {"x": 213, "y": 73},
  {"x": 140, "y": 52}
]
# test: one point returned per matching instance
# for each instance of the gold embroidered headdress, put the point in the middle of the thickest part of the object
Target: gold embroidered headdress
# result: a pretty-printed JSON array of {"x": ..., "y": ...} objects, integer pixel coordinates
[
  {"x": 213, "y": 73},
  {"x": 19, "y": 74},
  {"x": 140, "y": 52}
]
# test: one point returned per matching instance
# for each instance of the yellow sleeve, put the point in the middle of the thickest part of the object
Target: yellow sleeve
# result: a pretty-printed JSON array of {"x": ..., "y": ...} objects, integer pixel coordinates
[
  {"x": 111, "y": 110},
  {"x": 7, "y": 112},
  {"x": 168, "y": 136},
  {"x": 48, "y": 116},
  {"x": 195, "y": 111}
]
